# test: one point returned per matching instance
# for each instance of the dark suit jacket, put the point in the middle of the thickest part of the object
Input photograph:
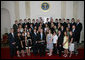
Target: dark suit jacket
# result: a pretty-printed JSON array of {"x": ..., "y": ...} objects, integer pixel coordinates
[
  {"x": 34, "y": 38},
  {"x": 37, "y": 24},
  {"x": 11, "y": 39},
  {"x": 15, "y": 27},
  {"x": 28, "y": 24},
  {"x": 43, "y": 37},
  {"x": 60, "y": 40},
  {"x": 74, "y": 35},
  {"x": 79, "y": 27},
  {"x": 64, "y": 24},
  {"x": 71, "y": 24},
  {"x": 23, "y": 25},
  {"x": 56, "y": 24}
]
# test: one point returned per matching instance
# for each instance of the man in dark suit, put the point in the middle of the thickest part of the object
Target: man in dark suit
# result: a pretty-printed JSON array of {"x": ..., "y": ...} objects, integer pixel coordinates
[
  {"x": 20, "y": 22},
  {"x": 28, "y": 22},
  {"x": 73, "y": 22},
  {"x": 60, "y": 21},
  {"x": 25, "y": 23},
  {"x": 56, "y": 22},
  {"x": 12, "y": 43},
  {"x": 74, "y": 32},
  {"x": 59, "y": 42},
  {"x": 47, "y": 22},
  {"x": 33, "y": 23},
  {"x": 37, "y": 23},
  {"x": 64, "y": 24},
  {"x": 78, "y": 29},
  {"x": 34, "y": 42},
  {"x": 15, "y": 26},
  {"x": 41, "y": 43}
]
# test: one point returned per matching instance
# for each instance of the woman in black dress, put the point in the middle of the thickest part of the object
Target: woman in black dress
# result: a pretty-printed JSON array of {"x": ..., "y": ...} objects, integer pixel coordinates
[
  {"x": 28, "y": 43},
  {"x": 23, "y": 44},
  {"x": 18, "y": 44}
]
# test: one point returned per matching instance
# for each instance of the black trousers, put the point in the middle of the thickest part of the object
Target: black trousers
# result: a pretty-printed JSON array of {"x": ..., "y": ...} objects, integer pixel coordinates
[
  {"x": 41, "y": 48},
  {"x": 54, "y": 49},
  {"x": 60, "y": 48},
  {"x": 12, "y": 51},
  {"x": 35, "y": 49},
  {"x": 78, "y": 37}
]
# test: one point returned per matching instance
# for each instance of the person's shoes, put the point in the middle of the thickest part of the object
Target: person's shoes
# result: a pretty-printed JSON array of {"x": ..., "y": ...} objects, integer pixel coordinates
[
  {"x": 23, "y": 55},
  {"x": 50, "y": 54},
  {"x": 11, "y": 56},
  {"x": 59, "y": 55},
  {"x": 70, "y": 56},
  {"x": 28, "y": 54},
  {"x": 47, "y": 53},
  {"x": 65, "y": 56},
  {"x": 18, "y": 56}
]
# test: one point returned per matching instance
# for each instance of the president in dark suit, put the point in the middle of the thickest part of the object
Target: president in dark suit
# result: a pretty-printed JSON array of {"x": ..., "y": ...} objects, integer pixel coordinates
[
  {"x": 12, "y": 43},
  {"x": 41, "y": 43}
]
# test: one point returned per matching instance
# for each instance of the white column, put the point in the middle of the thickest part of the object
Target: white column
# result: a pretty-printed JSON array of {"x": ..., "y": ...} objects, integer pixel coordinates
[
  {"x": 80, "y": 13},
  {"x": 22, "y": 10},
  {"x": 69, "y": 9}
]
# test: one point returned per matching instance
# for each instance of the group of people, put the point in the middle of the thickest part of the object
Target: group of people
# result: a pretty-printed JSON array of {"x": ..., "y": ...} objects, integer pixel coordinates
[{"x": 55, "y": 36}]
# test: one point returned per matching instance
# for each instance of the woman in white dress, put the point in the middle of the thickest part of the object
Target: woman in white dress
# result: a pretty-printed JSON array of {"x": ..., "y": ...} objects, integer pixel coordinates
[{"x": 49, "y": 42}]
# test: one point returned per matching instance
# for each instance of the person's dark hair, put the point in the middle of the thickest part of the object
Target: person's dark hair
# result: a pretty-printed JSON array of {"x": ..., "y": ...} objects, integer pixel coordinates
[
  {"x": 68, "y": 19},
  {"x": 54, "y": 32},
  {"x": 56, "y": 19},
  {"x": 59, "y": 19},
  {"x": 18, "y": 33}
]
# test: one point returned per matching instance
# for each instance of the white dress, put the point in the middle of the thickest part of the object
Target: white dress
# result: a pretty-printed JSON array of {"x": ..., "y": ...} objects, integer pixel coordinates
[
  {"x": 71, "y": 47},
  {"x": 50, "y": 45}
]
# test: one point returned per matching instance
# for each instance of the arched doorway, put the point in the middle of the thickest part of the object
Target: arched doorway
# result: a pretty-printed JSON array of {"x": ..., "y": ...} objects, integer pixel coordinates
[{"x": 5, "y": 21}]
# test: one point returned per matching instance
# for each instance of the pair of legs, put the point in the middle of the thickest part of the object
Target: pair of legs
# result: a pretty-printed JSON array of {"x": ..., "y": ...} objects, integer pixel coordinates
[
  {"x": 65, "y": 53},
  {"x": 28, "y": 50},
  {"x": 12, "y": 52},
  {"x": 50, "y": 52},
  {"x": 54, "y": 49},
  {"x": 75, "y": 48},
  {"x": 70, "y": 54},
  {"x": 35, "y": 49},
  {"x": 18, "y": 53},
  {"x": 41, "y": 49},
  {"x": 22, "y": 52},
  {"x": 60, "y": 49}
]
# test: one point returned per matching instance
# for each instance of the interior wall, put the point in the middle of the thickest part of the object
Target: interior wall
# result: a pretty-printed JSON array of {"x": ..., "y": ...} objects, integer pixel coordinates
[
  {"x": 80, "y": 15},
  {"x": 69, "y": 9},
  {"x": 54, "y": 10},
  {"x": 5, "y": 21},
  {"x": 22, "y": 10}
]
